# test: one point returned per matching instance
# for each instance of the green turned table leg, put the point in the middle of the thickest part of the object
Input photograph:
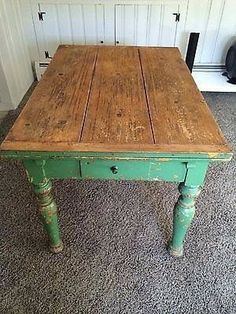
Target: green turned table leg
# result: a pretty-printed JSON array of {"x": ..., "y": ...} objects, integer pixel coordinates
[
  {"x": 48, "y": 210},
  {"x": 185, "y": 208},
  {"x": 183, "y": 216}
]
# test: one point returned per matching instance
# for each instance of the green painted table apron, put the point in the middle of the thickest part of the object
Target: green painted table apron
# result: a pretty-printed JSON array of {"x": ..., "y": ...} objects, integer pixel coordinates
[
  {"x": 117, "y": 113},
  {"x": 188, "y": 170}
]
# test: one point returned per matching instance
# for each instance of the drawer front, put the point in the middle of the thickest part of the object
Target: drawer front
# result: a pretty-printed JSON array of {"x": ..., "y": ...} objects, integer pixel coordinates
[{"x": 173, "y": 171}]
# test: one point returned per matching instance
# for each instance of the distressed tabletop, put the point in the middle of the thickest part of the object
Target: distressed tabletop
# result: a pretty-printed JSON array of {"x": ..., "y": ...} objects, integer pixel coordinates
[{"x": 116, "y": 99}]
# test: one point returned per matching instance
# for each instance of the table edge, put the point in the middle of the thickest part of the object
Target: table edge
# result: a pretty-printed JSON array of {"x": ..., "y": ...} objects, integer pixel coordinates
[{"x": 162, "y": 155}]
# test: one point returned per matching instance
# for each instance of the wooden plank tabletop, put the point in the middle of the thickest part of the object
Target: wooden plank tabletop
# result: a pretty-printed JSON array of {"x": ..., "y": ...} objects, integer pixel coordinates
[{"x": 112, "y": 99}]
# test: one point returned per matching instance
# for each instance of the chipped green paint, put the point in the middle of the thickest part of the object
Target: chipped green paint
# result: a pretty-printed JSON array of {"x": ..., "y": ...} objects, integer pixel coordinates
[
  {"x": 122, "y": 155},
  {"x": 187, "y": 169},
  {"x": 133, "y": 170},
  {"x": 183, "y": 216},
  {"x": 129, "y": 169},
  {"x": 52, "y": 168},
  {"x": 48, "y": 211}
]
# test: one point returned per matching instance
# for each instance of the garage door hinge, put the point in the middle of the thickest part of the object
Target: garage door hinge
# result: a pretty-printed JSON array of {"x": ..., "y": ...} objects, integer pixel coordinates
[
  {"x": 41, "y": 14},
  {"x": 47, "y": 55},
  {"x": 177, "y": 17}
]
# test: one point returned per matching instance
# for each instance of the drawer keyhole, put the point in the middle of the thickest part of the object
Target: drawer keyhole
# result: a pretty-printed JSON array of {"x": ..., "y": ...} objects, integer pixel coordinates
[{"x": 114, "y": 169}]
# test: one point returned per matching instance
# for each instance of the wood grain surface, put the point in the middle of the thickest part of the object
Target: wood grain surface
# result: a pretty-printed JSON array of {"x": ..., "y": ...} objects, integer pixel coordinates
[
  {"x": 117, "y": 109},
  {"x": 116, "y": 99}
]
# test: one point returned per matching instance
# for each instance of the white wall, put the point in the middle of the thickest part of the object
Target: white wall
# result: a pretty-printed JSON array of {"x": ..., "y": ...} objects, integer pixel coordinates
[
  {"x": 24, "y": 39},
  {"x": 136, "y": 22},
  {"x": 15, "y": 65},
  {"x": 5, "y": 99},
  {"x": 216, "y": 22},
  {"x": 133, "y": 22}
]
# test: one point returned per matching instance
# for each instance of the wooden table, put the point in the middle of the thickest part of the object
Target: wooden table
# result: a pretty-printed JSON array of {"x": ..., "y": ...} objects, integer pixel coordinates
[{"x": 123, "y": 113}]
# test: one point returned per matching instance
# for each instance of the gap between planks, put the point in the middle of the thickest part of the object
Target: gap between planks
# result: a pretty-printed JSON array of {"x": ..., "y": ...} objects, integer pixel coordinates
[
  {"x": 146, "y": 96},
  {"x": 89, "y": 94}
]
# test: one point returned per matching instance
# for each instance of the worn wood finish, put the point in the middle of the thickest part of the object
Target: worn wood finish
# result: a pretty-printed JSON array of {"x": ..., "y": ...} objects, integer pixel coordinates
[
  {"x": 117, "y": 109},
  {"x": 179, "y": 113},
  {"x": 56, "y": 109},
  {"x": 116, "y": 99}
]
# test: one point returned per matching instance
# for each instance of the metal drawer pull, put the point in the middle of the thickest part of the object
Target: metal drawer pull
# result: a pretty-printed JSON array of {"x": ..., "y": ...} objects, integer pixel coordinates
[{"x": 114, "y": 169}]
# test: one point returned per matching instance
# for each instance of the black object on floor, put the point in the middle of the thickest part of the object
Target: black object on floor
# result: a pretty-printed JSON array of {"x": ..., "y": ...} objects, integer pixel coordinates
[
  {"x": 230, "y": 65},
  {"x": 192, "y": 49}
]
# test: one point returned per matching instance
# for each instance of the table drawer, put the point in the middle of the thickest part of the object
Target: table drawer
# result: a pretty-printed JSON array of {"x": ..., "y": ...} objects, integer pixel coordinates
[{"x": 133, "y": 170}]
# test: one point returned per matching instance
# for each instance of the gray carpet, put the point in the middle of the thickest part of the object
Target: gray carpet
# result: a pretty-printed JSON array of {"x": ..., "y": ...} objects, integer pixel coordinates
[{"x": 115, "y": 235}]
